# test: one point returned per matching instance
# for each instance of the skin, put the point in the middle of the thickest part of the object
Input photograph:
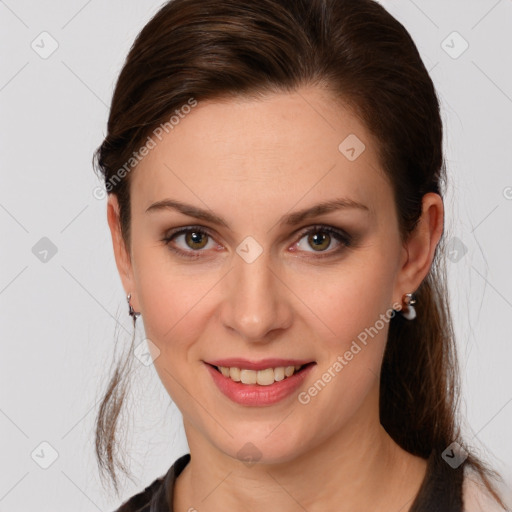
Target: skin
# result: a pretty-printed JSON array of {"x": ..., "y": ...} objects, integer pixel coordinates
[{"x": 251, "y": 162}]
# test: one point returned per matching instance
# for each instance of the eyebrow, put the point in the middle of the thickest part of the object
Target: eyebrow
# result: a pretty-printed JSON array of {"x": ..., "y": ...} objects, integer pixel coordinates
[{"x": 289, "y": 219}]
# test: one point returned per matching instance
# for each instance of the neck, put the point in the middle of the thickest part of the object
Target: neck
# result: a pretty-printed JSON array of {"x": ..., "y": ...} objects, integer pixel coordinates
[{"x": 359, "y": 469}]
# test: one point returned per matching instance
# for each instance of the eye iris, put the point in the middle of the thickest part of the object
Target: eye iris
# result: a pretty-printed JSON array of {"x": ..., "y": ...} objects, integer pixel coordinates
[
  {"x": 194, "y": 237},
  {"x": 319, "y": 240}
]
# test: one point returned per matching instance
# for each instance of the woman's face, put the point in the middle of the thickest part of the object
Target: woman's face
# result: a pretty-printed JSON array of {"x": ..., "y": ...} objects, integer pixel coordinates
[{"x": 255, "y": 285}]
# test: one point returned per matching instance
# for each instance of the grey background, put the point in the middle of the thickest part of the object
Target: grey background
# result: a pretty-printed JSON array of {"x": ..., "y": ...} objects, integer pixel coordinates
[{"x": 59, "y": 317}]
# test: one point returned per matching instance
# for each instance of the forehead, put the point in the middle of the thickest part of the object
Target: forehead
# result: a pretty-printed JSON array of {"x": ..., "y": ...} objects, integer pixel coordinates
[{"x": 284, "y": 147}]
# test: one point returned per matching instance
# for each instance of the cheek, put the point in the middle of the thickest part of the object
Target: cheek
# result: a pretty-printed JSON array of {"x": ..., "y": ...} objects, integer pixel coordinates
[
  {"x": 175, "y": 318},
  {"x": 345, "y": 300},
  {"x": 351, "y": 309},
  {"x": 173, "y": 297},
  {"x": 174, "y": 309}
]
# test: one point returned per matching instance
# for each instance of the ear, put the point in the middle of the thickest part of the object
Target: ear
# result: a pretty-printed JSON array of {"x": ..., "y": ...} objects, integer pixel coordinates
[
  {"x": 419, "y": 250},
  {"x": 121, "y": 253}
]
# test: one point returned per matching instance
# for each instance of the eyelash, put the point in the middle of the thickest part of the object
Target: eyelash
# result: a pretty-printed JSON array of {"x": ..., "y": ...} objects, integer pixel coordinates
[{"x": 345, "y": 239}]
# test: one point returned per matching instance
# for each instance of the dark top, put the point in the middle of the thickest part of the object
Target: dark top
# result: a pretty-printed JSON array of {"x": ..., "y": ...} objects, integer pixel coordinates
[{"x": 441, "y": 490}]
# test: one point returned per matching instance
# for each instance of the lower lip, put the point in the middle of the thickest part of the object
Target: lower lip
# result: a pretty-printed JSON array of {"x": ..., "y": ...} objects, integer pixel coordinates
[{"x": 254, "y": 394}]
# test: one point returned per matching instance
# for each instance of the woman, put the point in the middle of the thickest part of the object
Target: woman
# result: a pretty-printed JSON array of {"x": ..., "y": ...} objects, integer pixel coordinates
[{"x": 275, "y": 178}]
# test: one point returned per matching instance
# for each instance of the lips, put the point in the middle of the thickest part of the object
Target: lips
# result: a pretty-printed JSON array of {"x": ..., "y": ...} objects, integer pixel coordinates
[
  {"x": 250, "y": 394},
  {"x": 262, "y": 364}
]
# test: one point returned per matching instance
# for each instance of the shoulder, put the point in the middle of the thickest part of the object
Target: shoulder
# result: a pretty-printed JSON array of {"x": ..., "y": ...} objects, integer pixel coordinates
[
  {"x": 477, "y": 497},
  {"x": 158, "y": 496},
  {"x": 141, "y": 501}
]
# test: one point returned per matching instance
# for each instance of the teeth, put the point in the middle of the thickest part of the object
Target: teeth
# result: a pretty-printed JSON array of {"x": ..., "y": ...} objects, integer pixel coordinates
[
  {"x": 264, "y": 377},
  {"x": 248, "y": 376},
  {"x": 279, "y": 373},
  {"x": 234, "y": 373}
]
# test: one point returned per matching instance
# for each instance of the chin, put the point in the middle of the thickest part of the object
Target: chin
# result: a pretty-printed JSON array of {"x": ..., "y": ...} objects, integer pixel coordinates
[{"x": 261, "y": 448}]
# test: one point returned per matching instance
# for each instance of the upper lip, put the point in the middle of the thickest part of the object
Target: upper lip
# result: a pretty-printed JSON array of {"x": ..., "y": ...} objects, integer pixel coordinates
[{"x": 262, "y": 364}]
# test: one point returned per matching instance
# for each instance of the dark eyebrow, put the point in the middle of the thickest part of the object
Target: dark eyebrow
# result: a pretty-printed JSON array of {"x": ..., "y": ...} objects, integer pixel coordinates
[{"x": 289, "y": 219}]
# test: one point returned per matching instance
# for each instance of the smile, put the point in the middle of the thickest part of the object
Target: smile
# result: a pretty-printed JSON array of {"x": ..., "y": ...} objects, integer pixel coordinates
[
  {"x": 259, "y": 387},
  {"x": 264, "y": 377}
]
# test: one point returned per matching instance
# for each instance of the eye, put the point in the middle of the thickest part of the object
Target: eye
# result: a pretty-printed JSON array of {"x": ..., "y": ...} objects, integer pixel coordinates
[
  {"x": 194, "y": 240},
  {"x": 320, "y": 238}
]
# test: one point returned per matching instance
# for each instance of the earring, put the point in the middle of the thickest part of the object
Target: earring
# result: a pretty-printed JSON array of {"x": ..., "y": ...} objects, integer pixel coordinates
[
  {"x": 409, "y": 300},
  {"x": 131, "y": 312}
]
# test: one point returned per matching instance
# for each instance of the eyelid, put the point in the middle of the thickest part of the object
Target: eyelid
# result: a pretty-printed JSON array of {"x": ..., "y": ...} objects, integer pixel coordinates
[
  {"x": 327, "y": 229},
  {"x": 341, "y": 236},
  {"x": 183, "y": 230}
]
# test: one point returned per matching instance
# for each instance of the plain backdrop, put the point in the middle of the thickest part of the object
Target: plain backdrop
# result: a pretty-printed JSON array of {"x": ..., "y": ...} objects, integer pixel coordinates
[{"x": 61, "y": 300}]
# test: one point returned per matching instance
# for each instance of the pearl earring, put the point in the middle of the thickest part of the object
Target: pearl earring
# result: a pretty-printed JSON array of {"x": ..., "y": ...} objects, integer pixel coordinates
[{"x": 409, "y": 300}]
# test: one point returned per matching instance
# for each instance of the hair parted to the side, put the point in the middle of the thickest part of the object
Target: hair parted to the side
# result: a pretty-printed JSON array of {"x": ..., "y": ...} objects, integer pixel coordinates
[{"x": 216, "y": 49}]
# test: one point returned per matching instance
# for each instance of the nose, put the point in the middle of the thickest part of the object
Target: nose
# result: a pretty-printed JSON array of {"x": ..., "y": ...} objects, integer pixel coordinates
[{"x": 256, "y": 305}]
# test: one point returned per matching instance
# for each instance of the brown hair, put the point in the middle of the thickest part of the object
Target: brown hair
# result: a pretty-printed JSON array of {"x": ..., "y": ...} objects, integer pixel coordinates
[{"x": 212, "y": 49}]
